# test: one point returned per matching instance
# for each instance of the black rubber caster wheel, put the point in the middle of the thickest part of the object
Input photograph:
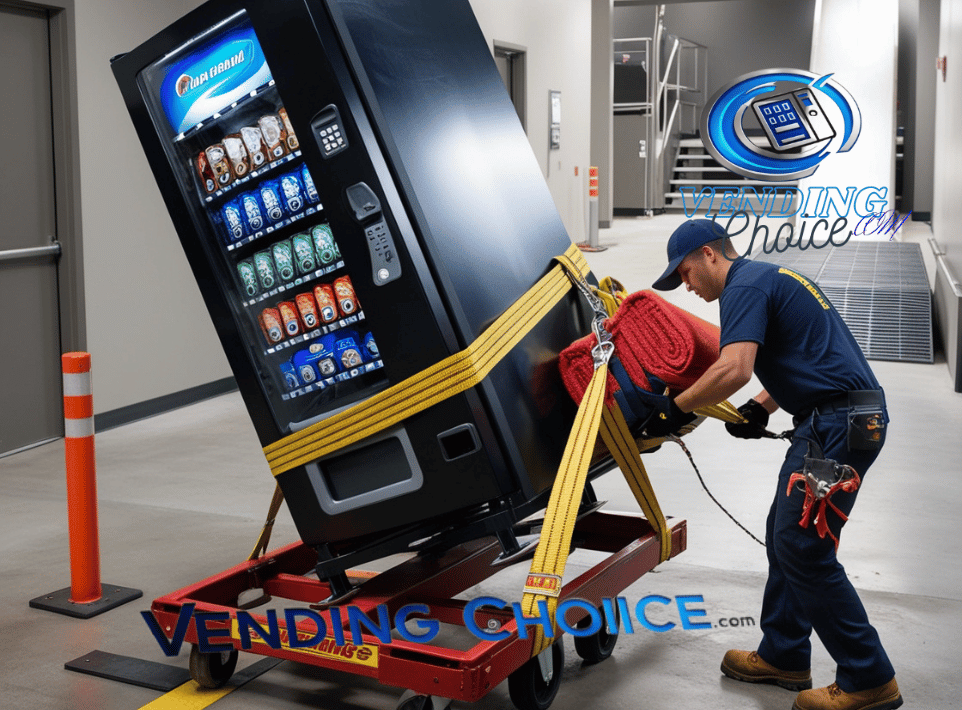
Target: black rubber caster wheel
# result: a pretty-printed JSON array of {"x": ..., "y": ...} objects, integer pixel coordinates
[
  {"x": 598, "y": 646},
  {"x": 212, "y": 670},
  {"x": 527, "y": 686}
]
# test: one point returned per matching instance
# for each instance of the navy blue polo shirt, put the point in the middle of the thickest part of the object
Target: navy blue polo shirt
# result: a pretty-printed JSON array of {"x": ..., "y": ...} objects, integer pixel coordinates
[{"x": 806, "y": 353}]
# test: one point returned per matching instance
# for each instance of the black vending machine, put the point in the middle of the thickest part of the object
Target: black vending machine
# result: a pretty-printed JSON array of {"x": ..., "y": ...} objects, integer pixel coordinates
[{"x": 358, "y": 200}]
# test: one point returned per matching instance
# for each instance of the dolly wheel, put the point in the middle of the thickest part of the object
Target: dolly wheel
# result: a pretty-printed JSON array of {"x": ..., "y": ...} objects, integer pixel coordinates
[
  {"x": 527, "y": 686},
  {"x": 413, "y": 701},
  {"x": 598, "y": 646},
  {"x": 212, "y": 670}
]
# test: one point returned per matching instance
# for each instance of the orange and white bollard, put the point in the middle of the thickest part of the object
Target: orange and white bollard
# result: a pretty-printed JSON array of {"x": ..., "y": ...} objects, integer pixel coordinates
[
  {"x": 85, "y": 596},
  {"x": 78, "y": 413}
]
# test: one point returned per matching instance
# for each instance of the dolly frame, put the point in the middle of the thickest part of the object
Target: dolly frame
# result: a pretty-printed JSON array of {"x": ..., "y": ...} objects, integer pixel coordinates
[{"x": 433, "y": 580}]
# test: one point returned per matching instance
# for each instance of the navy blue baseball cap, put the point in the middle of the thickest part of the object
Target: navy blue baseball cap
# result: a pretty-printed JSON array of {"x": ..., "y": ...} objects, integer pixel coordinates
[{"x": 683, "y": 241}]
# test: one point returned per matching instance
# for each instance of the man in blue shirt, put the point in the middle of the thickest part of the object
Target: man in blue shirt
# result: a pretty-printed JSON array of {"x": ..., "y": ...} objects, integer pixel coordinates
[{"x": 778, "y": 324}]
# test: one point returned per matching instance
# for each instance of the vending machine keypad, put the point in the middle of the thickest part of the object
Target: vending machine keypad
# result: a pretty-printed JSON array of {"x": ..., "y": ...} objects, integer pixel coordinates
[{"x": 329, "y": 132}]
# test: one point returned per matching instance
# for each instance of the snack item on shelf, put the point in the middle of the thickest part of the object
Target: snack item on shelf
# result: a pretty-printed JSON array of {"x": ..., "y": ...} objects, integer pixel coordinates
[
  {"x": 248, "y": 276},
  {"x": 220, "y": 164},
  {"x": 237, "y": 154},
  {"x": 288, "y": 311},
  {"x": 345, "y": 296},
  {"x": 324, "y": 245},
  {"x": 347, "y": 350},
  {"x": 307, "y": 308},
  {"x": 326, "y": 305},
  {"x": 275, "y": 136},
  {"x": 290, "y": 375},
  {"x": 271, "y": 324},
  {"x": 293, "y": 193},
  {"x": 323, "y": 349},
  {"x": 254, "y": 143},
  {"x": 271, "y": 199},
  {"x": 310, "y": 189},
  {"x": 206, "y": 173},
  {"x": 264, "y": 265},
  {"x": 292, "y": 141},
  {"x": 233, "y": 220},
  {"x": 370, "y": 348},
  {"x": 252, "y": 212},
  {"x": 284, "y": 260},
  {"x": 304, "y": 366},
  {"x": 304, "y": 253},
  {"x": 316, "y": 361}
]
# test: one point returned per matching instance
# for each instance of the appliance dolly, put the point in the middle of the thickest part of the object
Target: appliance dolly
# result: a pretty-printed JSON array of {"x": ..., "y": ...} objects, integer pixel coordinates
[{"x": 432, "y": 674}]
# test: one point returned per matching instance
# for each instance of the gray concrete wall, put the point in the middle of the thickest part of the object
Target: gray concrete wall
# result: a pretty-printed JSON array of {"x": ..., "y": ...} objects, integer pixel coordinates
[
  {"x": 558, "y": 42},
  {"x": 927, "y": 48},
  {"x": 147, "y": 328},
  {"x": 741, "y": 35}
]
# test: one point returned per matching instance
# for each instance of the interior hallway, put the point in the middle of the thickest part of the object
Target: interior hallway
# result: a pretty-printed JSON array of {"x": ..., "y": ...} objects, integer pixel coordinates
[{"x": 183, "y": 495}]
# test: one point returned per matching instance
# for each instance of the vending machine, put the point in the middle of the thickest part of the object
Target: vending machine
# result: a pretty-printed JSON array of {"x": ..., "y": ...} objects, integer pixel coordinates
[{"x": 358, "y": 200}]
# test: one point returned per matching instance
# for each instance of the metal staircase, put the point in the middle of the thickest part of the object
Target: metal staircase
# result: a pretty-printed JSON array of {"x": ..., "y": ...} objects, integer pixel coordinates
[{"x": 694, "y": 170}]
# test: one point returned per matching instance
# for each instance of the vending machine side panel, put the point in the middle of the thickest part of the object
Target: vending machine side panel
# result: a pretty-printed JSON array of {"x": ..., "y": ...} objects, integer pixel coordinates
[{"x": 486, "y": 218}]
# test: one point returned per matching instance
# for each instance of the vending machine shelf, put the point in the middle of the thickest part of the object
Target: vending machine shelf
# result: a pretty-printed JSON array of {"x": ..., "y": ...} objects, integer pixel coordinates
[
  {"x": 330, "y": 381},
  {"x": 274, "y": 228},
  {"x": 296, "y": 283},
  {"x": 253, "y": 175},
  {"x": 317, "y": 333}
]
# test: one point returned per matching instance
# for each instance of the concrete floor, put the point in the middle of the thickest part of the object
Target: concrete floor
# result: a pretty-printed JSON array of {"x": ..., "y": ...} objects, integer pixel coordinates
[{"x": 182, "y": 496}]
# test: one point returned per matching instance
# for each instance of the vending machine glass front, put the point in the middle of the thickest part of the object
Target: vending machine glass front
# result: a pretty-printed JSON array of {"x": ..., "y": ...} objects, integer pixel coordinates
[{"x": 261, "y": 221}]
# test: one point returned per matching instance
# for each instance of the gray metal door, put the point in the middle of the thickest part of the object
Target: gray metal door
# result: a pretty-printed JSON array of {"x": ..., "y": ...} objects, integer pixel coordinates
[{"x": 30, "y": 383}]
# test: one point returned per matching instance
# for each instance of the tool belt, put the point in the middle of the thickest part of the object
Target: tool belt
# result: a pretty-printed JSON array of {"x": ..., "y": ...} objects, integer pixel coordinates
[{"x": 866, "y": 417}]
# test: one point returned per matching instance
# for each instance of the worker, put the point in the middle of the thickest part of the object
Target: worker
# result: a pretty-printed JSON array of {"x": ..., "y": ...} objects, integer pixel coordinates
[{"x": 779, "y": 325}]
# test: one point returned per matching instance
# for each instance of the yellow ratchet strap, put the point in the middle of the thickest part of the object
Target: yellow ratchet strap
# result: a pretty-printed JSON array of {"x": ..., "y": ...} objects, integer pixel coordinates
[
  {"x": 547, "y": 568},
  {"x": 451, "y": 376},
  {"x": 265, "y": 537}
]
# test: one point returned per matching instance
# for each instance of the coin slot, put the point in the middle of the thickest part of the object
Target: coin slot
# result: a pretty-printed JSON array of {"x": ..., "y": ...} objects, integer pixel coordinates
[{"x": 458, "y": 442}]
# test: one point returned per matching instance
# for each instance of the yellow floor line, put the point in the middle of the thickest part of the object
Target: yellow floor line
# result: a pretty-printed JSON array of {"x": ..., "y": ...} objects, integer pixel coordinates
[{"x": 191, "y": 696}]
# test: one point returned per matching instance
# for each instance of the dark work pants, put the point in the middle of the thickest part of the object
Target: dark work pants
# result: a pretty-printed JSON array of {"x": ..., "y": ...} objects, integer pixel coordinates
[{"x": 807, "y": 586}]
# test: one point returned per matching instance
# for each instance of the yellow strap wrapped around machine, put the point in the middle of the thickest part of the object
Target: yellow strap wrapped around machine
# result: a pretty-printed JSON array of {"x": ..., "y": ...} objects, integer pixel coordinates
[{"x": 451, "y": 376}]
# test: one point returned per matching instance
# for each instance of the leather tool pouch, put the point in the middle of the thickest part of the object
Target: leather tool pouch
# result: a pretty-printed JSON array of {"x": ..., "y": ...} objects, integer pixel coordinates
[{"x": 866, "y": 420}]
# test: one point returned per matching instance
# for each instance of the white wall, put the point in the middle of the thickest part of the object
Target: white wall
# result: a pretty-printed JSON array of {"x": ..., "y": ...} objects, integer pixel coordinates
[
  {"x": 557, "y": 36},
  {"x": 866, "y": 67},
  {"x": 148, "y": 331},
  {"x": 948, "y": 185}
]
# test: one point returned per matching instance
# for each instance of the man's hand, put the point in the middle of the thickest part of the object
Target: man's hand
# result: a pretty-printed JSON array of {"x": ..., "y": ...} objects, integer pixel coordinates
[
  {"x": 665, "y": 417},
  {"x": 755, "y": 427}
]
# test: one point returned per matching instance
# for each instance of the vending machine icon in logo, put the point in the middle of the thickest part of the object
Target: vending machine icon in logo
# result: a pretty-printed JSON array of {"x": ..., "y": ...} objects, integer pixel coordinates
[
  {"x": 804, "y": 117},
  {"x": 793, "y": 120}
]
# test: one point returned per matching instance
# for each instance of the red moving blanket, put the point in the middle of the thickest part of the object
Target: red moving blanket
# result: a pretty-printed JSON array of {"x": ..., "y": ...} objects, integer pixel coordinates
[{"x": 650, "y": 334}]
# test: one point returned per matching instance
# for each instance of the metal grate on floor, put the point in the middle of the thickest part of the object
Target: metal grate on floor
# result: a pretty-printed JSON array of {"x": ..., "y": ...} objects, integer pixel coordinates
[{"x": 879, "y": 288}]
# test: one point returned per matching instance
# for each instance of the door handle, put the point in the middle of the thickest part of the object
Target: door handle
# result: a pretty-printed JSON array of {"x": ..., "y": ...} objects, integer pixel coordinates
[{"x": 31, "y": 252}]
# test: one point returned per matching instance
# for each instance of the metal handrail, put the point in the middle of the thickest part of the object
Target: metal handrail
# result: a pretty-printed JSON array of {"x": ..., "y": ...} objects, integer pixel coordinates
[{"x": 31, "y": 252}]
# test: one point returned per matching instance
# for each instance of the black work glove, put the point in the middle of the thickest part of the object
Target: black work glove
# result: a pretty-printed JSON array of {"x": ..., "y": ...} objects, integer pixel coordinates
[
  {"x": 665, "y": 417},
  {"x": 756, "y": 425}
]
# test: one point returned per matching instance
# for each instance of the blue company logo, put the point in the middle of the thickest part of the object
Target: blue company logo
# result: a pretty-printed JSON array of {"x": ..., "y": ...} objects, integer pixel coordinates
[
  {"x": 804, "y": 117},
  {"x": 207, "y": 81}
]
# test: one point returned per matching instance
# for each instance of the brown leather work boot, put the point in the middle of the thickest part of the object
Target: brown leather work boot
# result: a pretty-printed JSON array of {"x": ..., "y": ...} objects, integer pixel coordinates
[
  {"x": 749, "y": 667},
  {"x": 885, "y": 697}
]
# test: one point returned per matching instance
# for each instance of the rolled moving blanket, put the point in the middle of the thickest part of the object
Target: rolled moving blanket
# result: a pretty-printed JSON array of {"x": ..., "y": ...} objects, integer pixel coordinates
[{"x": 650, "y": 334}]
